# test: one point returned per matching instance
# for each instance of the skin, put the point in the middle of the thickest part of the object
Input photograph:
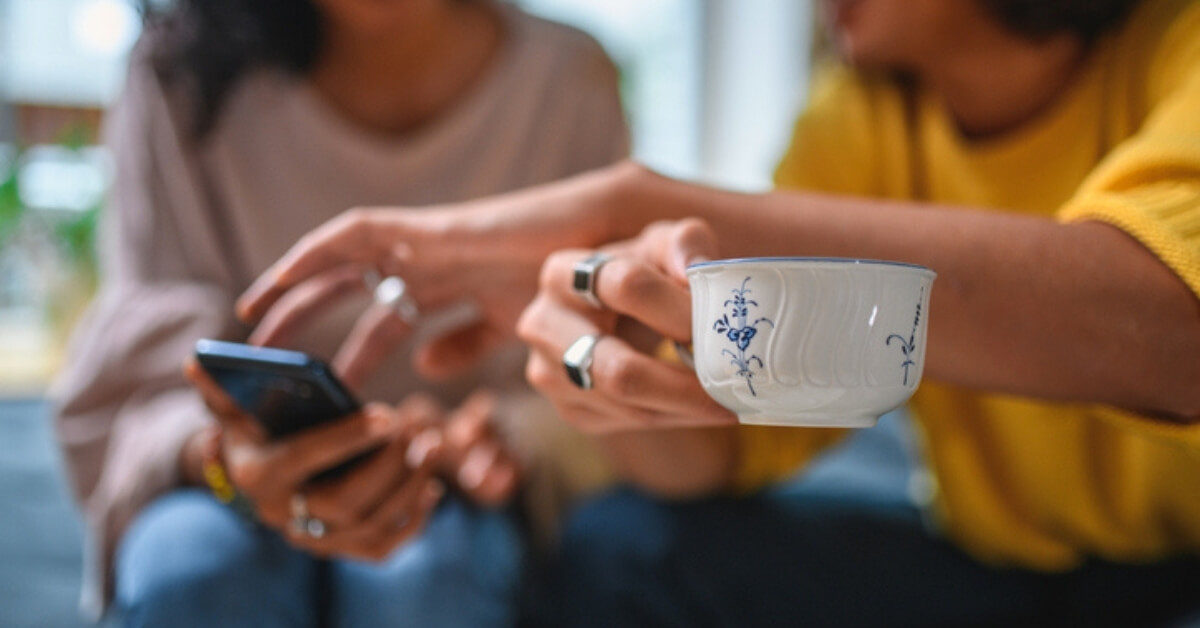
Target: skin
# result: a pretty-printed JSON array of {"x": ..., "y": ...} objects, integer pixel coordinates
[
  {"x": 391, "y": 67},
  {"x": 1027, "y": 306},
  {"x": 990, "y": 79},
  {"x": 388, "y": 68},
  {"x": 385, "y": 500}
]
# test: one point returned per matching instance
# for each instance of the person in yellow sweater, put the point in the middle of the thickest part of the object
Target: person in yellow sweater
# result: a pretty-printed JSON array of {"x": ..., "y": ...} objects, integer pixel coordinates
[{"x": 1044, "y": 159}]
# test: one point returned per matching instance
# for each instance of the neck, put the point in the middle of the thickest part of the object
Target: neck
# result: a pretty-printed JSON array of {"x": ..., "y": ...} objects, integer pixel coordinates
[
  {"x": 393, "y": 80},
  {"x": 994, "y": 81}
]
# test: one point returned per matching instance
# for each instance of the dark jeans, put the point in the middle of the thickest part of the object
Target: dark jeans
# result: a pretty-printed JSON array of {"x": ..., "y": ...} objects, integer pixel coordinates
[{"x": 823, "y": 553}]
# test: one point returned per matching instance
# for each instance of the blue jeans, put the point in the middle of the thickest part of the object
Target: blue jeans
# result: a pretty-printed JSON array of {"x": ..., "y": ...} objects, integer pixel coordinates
[
  {"x": 189, "y": 561},
  {"x": 842, "y": 545}
]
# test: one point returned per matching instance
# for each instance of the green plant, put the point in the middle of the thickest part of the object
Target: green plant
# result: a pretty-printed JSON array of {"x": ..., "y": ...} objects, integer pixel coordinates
[
  {"x": 73, "y": 233},
  {"x": 11, "y": 209}
]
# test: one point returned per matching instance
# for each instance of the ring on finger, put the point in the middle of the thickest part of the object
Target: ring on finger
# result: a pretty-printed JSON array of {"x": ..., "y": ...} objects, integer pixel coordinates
[
  {"x": 392, "y": 293},
  {"x": 577, "y": 360},
  {"x": 303, "y": 524},
  {"x": 583, "y": 280}
]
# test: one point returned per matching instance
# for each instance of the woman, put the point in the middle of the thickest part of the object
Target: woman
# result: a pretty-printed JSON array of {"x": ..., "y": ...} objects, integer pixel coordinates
[
  {"x": 1042, "y": 157},
  {"x": 243, "y": 125}
]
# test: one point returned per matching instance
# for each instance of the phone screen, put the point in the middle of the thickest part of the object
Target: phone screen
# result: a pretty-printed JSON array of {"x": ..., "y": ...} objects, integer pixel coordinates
[{"x": 285, "y": 391}]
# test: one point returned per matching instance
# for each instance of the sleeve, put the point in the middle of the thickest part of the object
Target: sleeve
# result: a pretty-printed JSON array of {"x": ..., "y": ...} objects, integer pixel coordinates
[
  {"x": 598, "y": 132},
  {"x": 1149, "y": 185},
  {"x": 122, "y": 407}
]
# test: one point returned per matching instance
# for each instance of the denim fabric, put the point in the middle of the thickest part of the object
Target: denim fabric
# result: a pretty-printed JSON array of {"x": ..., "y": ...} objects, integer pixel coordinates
[
  {"x": 190, "y": 561},
  {"x": 841, "y": 545}
]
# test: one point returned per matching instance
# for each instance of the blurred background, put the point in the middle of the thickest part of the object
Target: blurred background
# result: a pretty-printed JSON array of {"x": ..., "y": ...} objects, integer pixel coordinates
[{"x": 709, "y": 86}]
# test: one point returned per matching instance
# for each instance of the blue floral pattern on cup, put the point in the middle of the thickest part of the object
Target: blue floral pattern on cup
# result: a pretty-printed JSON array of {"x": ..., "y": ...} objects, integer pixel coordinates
[
  {"x": 741, "y": 332},
  {"x": 909, "y": 346}
]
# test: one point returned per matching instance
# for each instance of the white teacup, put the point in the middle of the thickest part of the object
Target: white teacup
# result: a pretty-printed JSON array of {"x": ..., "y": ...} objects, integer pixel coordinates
[{"x": 809, "y": 341}]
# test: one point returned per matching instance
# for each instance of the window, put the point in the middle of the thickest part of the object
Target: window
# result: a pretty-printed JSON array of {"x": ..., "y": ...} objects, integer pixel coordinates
[{"x": 711, "y": 86}]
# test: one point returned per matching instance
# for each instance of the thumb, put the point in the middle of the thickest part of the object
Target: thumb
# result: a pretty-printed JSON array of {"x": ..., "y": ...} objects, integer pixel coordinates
[{"x": 691, "y": 241}]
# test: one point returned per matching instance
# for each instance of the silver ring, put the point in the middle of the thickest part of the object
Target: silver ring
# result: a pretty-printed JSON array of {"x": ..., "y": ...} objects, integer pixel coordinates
[
  {"x": 577, "y": 359},
  {"x": 583, "y": 282},
  {"x": 301, "y": 524},
  {"x": 392, "y": 293}
]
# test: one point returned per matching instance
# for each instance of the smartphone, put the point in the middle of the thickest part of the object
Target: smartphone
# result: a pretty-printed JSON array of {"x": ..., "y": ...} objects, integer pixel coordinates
[{"x": 285, "y": 391}]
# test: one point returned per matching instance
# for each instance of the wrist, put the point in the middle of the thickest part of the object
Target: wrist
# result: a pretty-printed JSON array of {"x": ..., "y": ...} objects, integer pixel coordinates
[
  {"x": 191, "y": 457},
  {"x": 216, "y": 477}
]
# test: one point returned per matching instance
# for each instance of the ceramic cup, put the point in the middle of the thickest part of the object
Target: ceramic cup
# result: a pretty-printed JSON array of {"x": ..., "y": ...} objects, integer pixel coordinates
[{"x": 809, "y": 341}]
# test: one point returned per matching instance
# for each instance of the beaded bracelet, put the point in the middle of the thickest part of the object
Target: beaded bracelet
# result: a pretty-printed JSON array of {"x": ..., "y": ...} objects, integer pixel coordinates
[{"x": 217, "y": 479}]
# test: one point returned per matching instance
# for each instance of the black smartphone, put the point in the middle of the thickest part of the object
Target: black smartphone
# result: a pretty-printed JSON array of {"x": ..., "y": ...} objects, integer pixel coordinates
[{"x": 285, "y": 391}]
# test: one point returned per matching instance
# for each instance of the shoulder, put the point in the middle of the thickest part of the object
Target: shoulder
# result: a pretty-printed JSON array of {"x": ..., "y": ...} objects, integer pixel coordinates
[
  {"x": 565, "y": 49},
  {"x": 1161, "y": 42},
  {"x": 148, "y": 99}
]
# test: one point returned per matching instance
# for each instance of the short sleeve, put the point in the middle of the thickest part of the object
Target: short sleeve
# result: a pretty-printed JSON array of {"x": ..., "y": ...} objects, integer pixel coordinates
[{"x": 1149, "y": 186}]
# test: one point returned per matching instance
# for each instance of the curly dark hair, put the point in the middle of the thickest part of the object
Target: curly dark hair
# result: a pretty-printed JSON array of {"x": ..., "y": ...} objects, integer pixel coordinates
[
  {"x": 1036, "y": 19},
  {"x": 206, "y": 45}
]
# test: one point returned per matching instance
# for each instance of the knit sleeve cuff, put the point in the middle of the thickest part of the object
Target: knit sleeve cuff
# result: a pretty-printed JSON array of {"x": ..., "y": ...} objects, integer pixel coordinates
[{"x": 1164, "y": 217}]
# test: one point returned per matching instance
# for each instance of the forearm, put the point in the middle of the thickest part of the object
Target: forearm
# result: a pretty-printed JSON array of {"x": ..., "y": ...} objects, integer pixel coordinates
[
  {"x": 675, "y": 464},
  {"x": 1022, "y": 305}
]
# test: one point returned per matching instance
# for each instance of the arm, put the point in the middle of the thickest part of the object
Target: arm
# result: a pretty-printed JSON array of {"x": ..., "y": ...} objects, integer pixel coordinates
[
  {"x": 1023, "y": 305},
  {"x": 1068, "y": 309},
  {"x": 123, "y": 410},
  {"x": 1064, "y": 311}
]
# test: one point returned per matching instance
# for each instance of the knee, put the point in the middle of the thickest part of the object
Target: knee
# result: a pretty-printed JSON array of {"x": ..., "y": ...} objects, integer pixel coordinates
[
  {"x": 464, "y": 570},
  {"x": 615, "y": 558},
  {"x": 187, "y": 555},
  {"x": 617, "y": 535},
  {"x": 465, "y": 543}
]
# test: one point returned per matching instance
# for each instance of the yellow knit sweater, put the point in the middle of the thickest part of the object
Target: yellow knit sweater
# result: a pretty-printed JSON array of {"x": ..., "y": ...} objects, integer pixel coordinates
[{"x": 1023, "y": 481}]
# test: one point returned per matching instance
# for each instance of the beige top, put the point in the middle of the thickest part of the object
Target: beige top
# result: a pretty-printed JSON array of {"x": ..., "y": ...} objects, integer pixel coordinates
[{"x": 189, "y": 226}]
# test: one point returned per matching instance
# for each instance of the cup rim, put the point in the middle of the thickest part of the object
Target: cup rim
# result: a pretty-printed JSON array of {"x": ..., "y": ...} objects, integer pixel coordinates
[{"x": 743, "y": 261}]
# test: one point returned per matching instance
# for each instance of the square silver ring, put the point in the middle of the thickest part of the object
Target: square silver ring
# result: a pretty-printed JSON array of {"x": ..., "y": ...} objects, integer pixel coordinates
[
  {"x": 577, "y": 360},
  {"x": 583, "y": 281}
]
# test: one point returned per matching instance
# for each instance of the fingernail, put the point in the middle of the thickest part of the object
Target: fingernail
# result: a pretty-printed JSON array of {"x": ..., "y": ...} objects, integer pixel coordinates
[
  {"x": 474, "y": 469},
  {"x": 421, "y": 447}
]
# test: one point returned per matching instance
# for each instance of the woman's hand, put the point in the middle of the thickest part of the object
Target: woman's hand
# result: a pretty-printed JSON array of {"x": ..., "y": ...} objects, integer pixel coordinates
[
  {"x": 643, "y": 289},
  {"x": 364, "y": 513},
  {"x": 486, "y": 252},
  {"x": 474, "y": 456}
]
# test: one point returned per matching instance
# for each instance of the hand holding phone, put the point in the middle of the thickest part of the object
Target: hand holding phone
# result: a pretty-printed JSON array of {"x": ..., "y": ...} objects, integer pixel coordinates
[
  {"x": 387, "y": 498},
  {"x": 364, "y": 511}
]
